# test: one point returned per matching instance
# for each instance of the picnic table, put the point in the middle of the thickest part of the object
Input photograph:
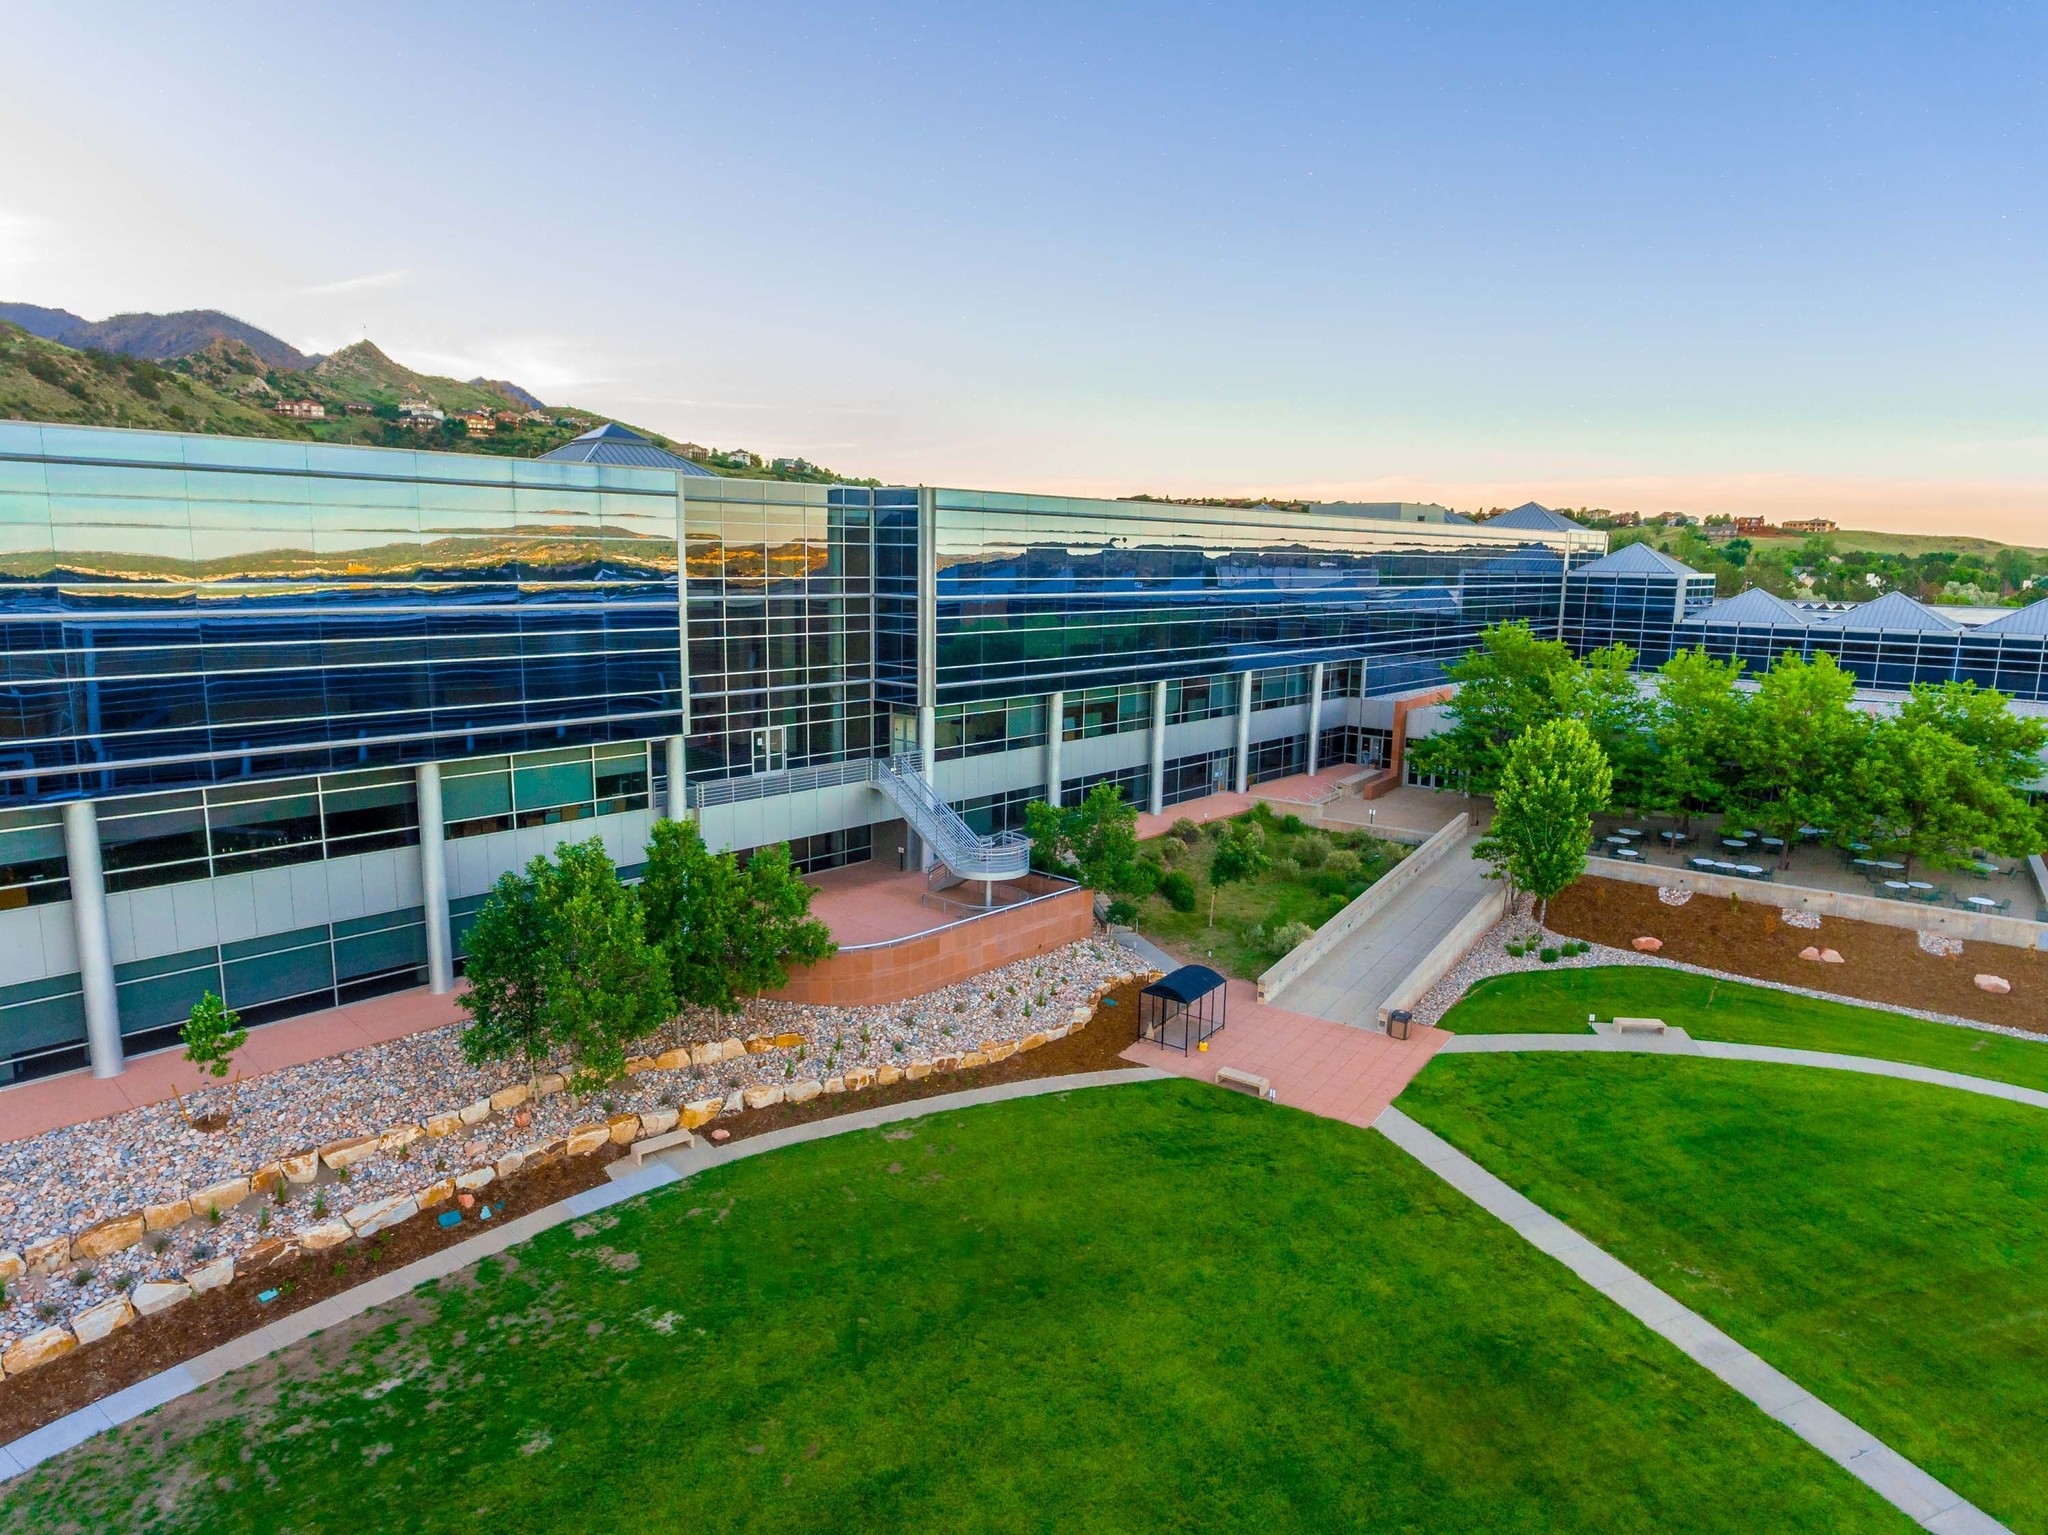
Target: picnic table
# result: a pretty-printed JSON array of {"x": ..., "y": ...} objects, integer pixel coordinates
[
  {"x": 1619, "y": 841},
  {"x": 1626, "y": 852},
  {"x": 1982, "y": 901},
  {"x": 1674, "y": 837},
  {"x": 1918, "y": 884},
  {"x": 1896, "y": 884},
  {"x": 1734, "y": 842},
  {"x": 1749, "y": 870},
  {"x": 1887, "y": 863},
  {"x": 1631, "y": 831},
  {"x": 1772, "y": 841}
]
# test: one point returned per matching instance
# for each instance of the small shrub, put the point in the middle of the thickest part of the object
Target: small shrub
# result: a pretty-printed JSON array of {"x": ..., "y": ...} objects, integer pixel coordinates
[
  {"x": 1171, "y": 851},
  {"x": 1312, "y": 850},
  {"x": 1343, "y": 865},
  {"x": 1291, "y": 935},
  {"x": 1121, "y": 913},
  {"x": 201, "y": 1251},
  {"x": 214, "y": 1217},
  {"x": 159, "y": 1244},
  {"x": 1213, "y": 829},
  {"x": 1517, "y": 950},
  {"x": 1142, "y": 880},
  {"x": 1548, "y": 956},
  {"x": 83, "y": 1275},
  {"x": 124, "y": 1282},
  {"x": 1286, "y": 869},
  {"x": 1178, "y": 890},
  {"x": 1186, "y": 831},
  {"x": 1292, "y": 825},
  {"x": 320, "y": 1205}
]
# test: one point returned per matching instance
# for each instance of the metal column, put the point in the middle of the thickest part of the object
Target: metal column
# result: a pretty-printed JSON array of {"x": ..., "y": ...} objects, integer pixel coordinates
[
  {"x": 434, "y": 880},
  {"x": 1315, "y": 714},
  {"x": 1055, "y": 728},
  {"x": 1244, "y": 732},
  {"x": 89, "y": 927},
  {"x": 1158, "y": 796},
  {"x": 678, "y": 790}
]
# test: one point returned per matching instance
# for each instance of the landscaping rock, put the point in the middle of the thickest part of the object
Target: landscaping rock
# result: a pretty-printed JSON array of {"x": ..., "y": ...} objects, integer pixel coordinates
[
  {"x": 760, "y": 1044},
  {"x": 37, "y": 1349},
  {"x": 440, "y": 1125},
  {"x": 1998, "y": 985},
  {"x": 1940, "y": 945},
  {"x": 639, "y": 1065},
  {"x": 436, "y": 1194},
  {"x": 476, "y": 1178},
  {"x": 789, "y": 1041},
  {"x": 761, "y": 1097},
  {"x": 509, "y": 1164},
  {"x": 541, "y": 1153},
  {"x": 625, "y": 1129},
  {"x": 267, "y": 1179},
  {"x": 1647, "y": 944},
  {"x": 11, "y": 1267},
  {"x": 1000, "y": 1050},
  {"x": 860, "y": 1079},
  {"x": 95, "y": 1322},
  {"x": 223, "y": 1196},
  {"x": 708, "y": 1054},
  {"x": 1830, "y": 957},
  {"x": 510, "y": 1097},
  {"x": 164, "y": 1217},
  {"x": 368, "y": 1219},
  {"x": 973, "y": 1058},
  {"x": 267, "y": 1253},
  {"x": 346, "y": 1153},
  {"x": 586, "y": 1138},
  {"x": 1032, "y": 1042},
  {"x": 210, "y": 1276},
  {"x": 474, "y": 1113},
  {"x": 1810, "y": 952},
  {"x": 734, "y": 1102},
  {"x": 674, "y": 1060},
  {"x": 947, "y": 1062},
  {"x": 699, "y": 1111},
  {"x": 917, "y": 1071},
  {"x": 156, "y": 1295},
  {"x": 802, "y": 1092},
  {"x": 303, "y": 1168},
  {"x": 108, "y": 1237},
  {"x": 658, "y": 1121},
  {"x": 398, "y": 1138},
  {"x": 327, "y": 1234},
  {"x": 835, "y": 1084}
]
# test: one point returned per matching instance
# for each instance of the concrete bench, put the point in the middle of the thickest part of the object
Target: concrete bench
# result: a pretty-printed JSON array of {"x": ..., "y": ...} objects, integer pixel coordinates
[
  {"x": 1639, "y": 1025},
  {"x": 640, "y": 1151},
  {"x": 1230, "y": 1076}
]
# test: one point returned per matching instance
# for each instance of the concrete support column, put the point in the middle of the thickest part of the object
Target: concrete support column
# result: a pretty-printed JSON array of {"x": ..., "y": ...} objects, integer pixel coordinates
[
  {"x": 1158, "y": 797},
  {"x": 678, "y": 795},
  {"x": 89, "y": 927},
  {"x": 1055, "y": 729},
  {"x": 1315, "y": 714},
  {"x": 434, "y": 880},
  {"x": 1243, "y": 777},
  {"x": 927, "y": 739}
]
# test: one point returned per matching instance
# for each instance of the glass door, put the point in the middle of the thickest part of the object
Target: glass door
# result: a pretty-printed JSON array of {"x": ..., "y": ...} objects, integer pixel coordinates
[{"x": 771, "y": 754}]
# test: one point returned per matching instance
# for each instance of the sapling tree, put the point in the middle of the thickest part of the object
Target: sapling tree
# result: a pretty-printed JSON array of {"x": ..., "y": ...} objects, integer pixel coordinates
[
  {"x": 507, "y": 969},
  {"x": 1554, "y": 779},
  {"x": 212, "y": 1034},
  {"x": 1240, "y": 856}
]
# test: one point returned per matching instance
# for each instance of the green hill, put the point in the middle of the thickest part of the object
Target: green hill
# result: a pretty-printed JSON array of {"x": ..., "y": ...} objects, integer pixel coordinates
[{"x": 226, "y": 388}]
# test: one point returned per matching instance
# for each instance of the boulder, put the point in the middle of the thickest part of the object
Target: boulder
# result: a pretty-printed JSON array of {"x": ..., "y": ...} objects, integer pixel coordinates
[
  {"x": 673, "y": 1060},
  {"x": 36, "y": 1349},
  {"x": 510, "y": 1097},
  {"x": 803, "y": 1092},
  {"x": 761, "y": 1097},
  {"x": 972, "y": 1059},
  {"x": 947, "y": 1062},
  {"x": 790, "y": 1041},
  {"x": 48, "y": 1255},
  {"x": 541, "y": 1153},
  {"x": 399, "y": 1137},
  {"x": 698, "y": 1111},
  {"x": 509, "y": 1164},
  {"x": 734, "y": 1102},
  {"x": 859, "y": 1078},
  {"x": 835, "y": 1084},
  {"x": 887, "y": 1075},
  {"x": 437, "y": 1193},
  {"x": 476, "y": 1178},
  {"x": 368, "y": 1219},
  {"x": 583, "y": 1139},
  {"x": 303, "y": 1168},
  {"x": 114, "y": 1235},
  {"x": 210, "y": 1276},
  {"x": 658, "y": 1121},
  {"x": 917, "y": 1071},
  {"x": 11, "y": 1267},
  {"x": 1810, "y": 952},
  {"x": 267, "y": 1179},
  {"x": 708, "y": 1054},
  {"x": 95, "y": 1322},
  {"x": 340, "y": 1154},
  {"x": 625, "y": 1129},
  {"x": 327, "y": 1234},
  {"x": 1033, "y": 1041},
  {"x": 439, "y": 1125},
  {"x": 1058, "y": 1031},
  {"x": 1646, "y": 944},
  {"x": 222, "y": 1196},
  {"x": 1830, "y": 957},
  {"x": 1079, "y": 1016},
  {"x": 474, "y": 1113},
  {"x": 731, "y": 1049},
  {"x": 548, "y": 1083},
  {"x": 1001, "y": 1050},
  {"x": 639, "y": 1065},
  {"x": 156, "y": 1295},
  {"x": 1998, "y": 985},
  {"x": 267, "y": 1253},
  {"x": 760, "y": 1044}
]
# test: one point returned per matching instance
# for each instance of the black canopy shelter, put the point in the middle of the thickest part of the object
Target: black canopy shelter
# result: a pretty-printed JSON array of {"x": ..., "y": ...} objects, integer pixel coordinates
[{"x": 1181, "y": 1010}]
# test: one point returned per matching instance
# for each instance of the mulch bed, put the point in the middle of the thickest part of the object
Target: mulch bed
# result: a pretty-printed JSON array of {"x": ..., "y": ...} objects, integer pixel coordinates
[
  {"x": 1880, "y": 964},
  {"x": 150, "y": 1344}
]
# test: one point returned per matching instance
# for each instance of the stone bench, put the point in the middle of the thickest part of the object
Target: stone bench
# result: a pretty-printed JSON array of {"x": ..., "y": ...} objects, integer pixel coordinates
[
  {"x": 1230, "y": 1076},
  {"x": 640, "y": 1151},
  {"x": 1639, "y": 1025}
]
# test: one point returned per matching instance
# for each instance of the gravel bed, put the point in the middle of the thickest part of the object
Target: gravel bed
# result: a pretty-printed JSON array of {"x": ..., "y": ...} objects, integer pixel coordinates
[
  {"x": 1489, "y": 957},
  {"x": 66, "y": 1180}
]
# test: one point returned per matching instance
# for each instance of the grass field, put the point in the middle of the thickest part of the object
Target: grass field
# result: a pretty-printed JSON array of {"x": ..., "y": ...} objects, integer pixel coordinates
[
  {"x": 1883, "y": 1243},
  {"x": 1153, "y": 1307},
  {"x": 1557, "y": 1002}
]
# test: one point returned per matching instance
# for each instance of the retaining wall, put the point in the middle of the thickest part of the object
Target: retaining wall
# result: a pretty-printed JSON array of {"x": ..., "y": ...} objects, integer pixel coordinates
[{"x": 1452, "y": 947}]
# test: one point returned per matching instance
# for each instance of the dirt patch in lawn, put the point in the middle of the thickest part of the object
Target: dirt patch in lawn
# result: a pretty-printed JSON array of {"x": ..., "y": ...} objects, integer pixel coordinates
[
  {"x": 150, "y": 1344},
  {"x": 1880, "y": 964}
]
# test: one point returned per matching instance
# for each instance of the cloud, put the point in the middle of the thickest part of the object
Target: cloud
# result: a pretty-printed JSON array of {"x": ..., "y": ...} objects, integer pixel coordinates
[{"x": 358, "y": 284}]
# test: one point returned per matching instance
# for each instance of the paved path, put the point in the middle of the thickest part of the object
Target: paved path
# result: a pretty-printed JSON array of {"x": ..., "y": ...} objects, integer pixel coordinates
[
  {"x": 1349, "y": 984},
  {"x": 1678, "y": 1042},
  {"x": 1897, "y": 1480},
  {"x": 670, "y": 1167}
]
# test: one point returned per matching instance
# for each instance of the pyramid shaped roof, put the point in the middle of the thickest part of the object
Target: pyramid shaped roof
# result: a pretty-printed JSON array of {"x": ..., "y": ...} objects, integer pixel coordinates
[
  {"x": 2031, "y": 619},
  {"x": 1755, "y": 607},
  {"x": 1531, "y": 515},
  {"x": 1895, "y": 611},
  {"x": 1635, "y": 560},
  {"x": 615, "y": 444}
]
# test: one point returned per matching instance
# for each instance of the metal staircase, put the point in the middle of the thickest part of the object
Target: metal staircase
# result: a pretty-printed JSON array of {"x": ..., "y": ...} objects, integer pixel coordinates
[{"x": 1006, "y": 855}]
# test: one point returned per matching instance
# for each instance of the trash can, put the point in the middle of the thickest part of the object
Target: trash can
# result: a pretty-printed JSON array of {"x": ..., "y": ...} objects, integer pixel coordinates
[{"x": 1397, "y": 1023}]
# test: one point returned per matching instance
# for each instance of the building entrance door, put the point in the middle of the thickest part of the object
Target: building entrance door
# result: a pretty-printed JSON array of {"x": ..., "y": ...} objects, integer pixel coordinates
[
  {"x": 771, "y": 753},
  {"x": 902, "y": 734}
]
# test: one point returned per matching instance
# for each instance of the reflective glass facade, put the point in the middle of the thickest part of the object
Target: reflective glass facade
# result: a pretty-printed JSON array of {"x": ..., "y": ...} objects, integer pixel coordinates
[{"x": 2014, "y": 663}]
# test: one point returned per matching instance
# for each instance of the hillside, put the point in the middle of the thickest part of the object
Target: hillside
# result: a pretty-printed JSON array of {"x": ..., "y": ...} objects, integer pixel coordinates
[{"x": 225, "y": 386}]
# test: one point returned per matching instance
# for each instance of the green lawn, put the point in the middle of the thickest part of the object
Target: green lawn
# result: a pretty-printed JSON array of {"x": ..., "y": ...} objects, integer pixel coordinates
[
  {"x": 1883, "y": 1243},
  {"x": 1154, "y": 1307},
  {"x": 1302, "y": 886},
  {"x": 1557, "y": 1002}
]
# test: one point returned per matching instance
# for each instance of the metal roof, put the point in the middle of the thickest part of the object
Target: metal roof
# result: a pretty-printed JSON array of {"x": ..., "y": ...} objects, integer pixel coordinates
[
  {"x": 1530, "y": 515},
  {"x": 2031, "y": 619},
  {"x": 1190, "y": 983},
  {"x": 615, "y": 444},
  {"x": 1756, "y": 608},
  {"x": 1894, "y": 611},
  {"x": 1634, "y": 560}
]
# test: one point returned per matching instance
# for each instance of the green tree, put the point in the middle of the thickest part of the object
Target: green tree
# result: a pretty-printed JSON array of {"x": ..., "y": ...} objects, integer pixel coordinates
[
  {"x": 1930, "y": 797},
  {"x": 1605, "y": 695},
  {"x": 2008, "y": 746},
  {"x": 775, "y": 929},
  {"x": 1511, "y": 682},
  {"x": 1696, "y": 730},
  {"x": 1240, "y": 856},
  {"x": 1554, "y": 780},
  {"x": 2014, "y": 567},
  {"x": 607, "y": 986},
  {"x": 1797, "y": 751},
  {"x": 212, "y": 1033},
  {"x": 1094, "y": 842},
  {"x": 693, "y": 898},
  {"x": 507, "y": 969}
]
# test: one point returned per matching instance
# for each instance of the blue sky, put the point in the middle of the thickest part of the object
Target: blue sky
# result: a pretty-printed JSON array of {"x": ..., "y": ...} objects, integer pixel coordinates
[{"x": 1778, "y": 258}]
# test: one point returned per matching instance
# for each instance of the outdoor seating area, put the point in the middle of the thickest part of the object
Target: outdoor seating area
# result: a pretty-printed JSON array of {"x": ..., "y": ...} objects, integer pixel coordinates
[
  {"x": 1182, "y": 1010},
  {"x": 1999, "y": 887}
]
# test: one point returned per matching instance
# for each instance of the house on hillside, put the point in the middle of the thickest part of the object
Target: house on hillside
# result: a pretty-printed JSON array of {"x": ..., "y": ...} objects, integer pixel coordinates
[
  {"x": 479, "y": 422},
  {"x": 1810, "y": 525},
  {"x": 301, "y": 410},
  {"x": 360, "y": 408}
]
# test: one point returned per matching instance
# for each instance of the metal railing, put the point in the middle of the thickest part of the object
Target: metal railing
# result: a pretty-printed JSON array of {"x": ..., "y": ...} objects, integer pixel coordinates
[
  {"x": 731, "y": 791},
  {"x": 1006, "y": 855}
]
